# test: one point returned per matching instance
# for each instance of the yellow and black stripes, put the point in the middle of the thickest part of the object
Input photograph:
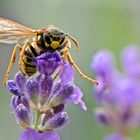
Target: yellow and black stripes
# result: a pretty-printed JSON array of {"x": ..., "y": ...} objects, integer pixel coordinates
[{"x": 28, "y": 66}]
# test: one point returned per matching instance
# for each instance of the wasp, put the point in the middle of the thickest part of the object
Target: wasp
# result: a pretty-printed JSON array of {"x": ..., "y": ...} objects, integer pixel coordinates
[{"x": 32, "y": 43}]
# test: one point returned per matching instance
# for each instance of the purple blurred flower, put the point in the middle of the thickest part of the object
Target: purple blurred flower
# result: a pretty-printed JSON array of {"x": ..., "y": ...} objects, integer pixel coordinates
[
  {"x": 118, "y": 93},
  {"x": 31, "y": 134},
  {"x": 116, "y": 137},
  {"x": 103, "y": 65},
  {"x": 102, "y": 116},
  {"x": 131, "y": 61}
]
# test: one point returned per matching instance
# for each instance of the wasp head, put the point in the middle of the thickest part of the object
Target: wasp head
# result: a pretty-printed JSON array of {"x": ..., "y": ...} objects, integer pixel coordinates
[{"x": 54, "y": 37}]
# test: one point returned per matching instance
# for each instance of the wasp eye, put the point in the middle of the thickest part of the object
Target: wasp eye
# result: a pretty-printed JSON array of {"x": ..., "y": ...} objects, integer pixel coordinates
[
  {"x": 62, "y": 40},
  {"x": 47, "y": 39}
]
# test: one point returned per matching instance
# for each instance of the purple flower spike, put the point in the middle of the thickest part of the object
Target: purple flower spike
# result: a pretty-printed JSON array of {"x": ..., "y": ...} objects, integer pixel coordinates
[
  {"x": 118, "y": 93},
  {"x": 31, "y": 134},
  {"x": 66, "y": 74},
  {"x": 48, "y": 62},
  {"x": 57, "y": 120},
  {"x": 23, "y": 114},
  {"x": 39, "y": 101}
]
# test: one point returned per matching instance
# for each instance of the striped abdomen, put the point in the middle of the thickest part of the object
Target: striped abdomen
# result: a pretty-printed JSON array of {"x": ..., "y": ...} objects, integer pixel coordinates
[{"x": 28, "y": 66}]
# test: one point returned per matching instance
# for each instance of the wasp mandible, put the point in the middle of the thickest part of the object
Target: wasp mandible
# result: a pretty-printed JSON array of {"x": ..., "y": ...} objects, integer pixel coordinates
[{"x": 34, "y": 43}]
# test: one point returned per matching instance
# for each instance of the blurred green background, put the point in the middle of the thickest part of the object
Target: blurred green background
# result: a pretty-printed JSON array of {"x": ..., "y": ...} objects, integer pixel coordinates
[{"x": 96, "y": 24}]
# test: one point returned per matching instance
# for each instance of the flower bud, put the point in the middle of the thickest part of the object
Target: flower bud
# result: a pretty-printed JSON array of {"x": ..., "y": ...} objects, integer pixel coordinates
[
  {"x": 58, "y": 108},
  {"x": 57, "y": 120},
  {"x": 20, "y": 81},
  {"x": 16, "y": 100},
  {"x": 23, "y": 114},
  {"x": 13, "y": 88},
  {"x": 32, "y": 90},
  {"x": 45, "y": 88},
  {"x": 48, "y": 62}
]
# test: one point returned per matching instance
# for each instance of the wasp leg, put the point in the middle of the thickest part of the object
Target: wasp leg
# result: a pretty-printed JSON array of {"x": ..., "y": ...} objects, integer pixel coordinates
[
  {"x": 36, "y": 47},
  {"x": 22, "y": 54},
  {"x": 12, "y": 60},
  {"x": 71, "y": 61},
  {"x": 60, "y": 68},
  {"x": 64, "y": 58},
  {"x": 24, "y": 47}
]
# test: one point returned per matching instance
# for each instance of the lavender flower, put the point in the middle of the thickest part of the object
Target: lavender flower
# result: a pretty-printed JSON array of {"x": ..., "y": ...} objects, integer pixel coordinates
[
  {"x": 38, "y": 102},
  {"x": 118, "y": 93}
]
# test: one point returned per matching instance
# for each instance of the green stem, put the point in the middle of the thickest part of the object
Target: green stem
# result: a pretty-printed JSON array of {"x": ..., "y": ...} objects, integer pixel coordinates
[{"x": 37, "y": 120}]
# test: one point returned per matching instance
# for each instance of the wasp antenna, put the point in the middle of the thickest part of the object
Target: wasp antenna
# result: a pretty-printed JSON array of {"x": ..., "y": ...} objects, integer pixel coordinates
[{"x": 74, "y": 41}]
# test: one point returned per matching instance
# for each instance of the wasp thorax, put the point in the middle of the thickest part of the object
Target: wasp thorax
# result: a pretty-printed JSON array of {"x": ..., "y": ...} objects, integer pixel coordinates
[{"x": 54, "y": 38}]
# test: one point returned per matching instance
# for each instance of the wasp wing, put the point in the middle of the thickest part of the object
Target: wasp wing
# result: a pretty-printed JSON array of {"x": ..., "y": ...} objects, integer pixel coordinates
[{"x": 12, "y": 32}]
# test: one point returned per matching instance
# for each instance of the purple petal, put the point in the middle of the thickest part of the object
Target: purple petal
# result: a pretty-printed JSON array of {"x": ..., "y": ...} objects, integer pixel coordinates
[
  {"x": 48, "y": 62},
  {"x": 77, "y": 98},
  {"x": 57, "y": 120},
  {"x": 23, "y": 114},
  {"x": 51, "y": 135},
  {"x": 56, "y": 88},
  {"x": 16, "y": 100},
  {"x": 29, "y": 134},
  {"x": 62, "y": 96},
  {"x": 82, "y": 105},
  {"x": 32, "y": 90},
  {"x": 13, "y": 88},
  {"x": 20, "y": 81},
  {"x": 67, "y": 74},
  {"x": 68, "y": 93},
  {"x": 45, "y": 88}
]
